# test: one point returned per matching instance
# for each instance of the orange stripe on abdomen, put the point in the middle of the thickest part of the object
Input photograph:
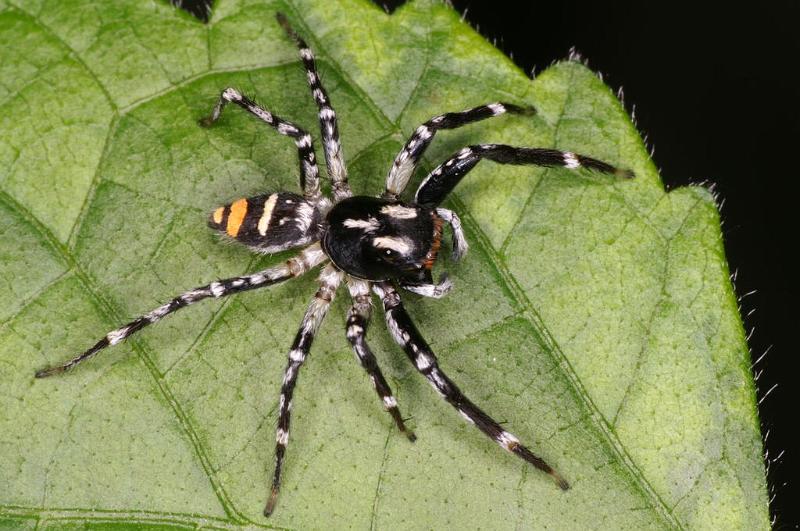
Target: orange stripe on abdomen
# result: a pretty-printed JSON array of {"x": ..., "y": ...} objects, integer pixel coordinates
[{"x": 236, "y": 217}]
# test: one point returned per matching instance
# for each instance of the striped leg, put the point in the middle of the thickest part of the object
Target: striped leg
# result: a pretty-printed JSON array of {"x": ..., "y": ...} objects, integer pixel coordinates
[
  {"x": 329, "y": 280},
  {"x": 460, "y": 244},
  {"x": 406, "y": 161},
  {"x": 406, "y": 335},
  {"x": 308, "y": 258},
  {"x": 357, "y": 322},
  {"x": 309, "y": 171},
  {"x": 327, "y": 117},
  {"x": 435, "y": 187}
]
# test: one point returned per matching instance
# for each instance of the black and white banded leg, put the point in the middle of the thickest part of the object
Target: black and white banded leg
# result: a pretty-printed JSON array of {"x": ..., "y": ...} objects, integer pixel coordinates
[
  {"x": 296, "y": 266},
  {"x": 406, "y": 161},
  {"x": 309, "y": 171},
  {"x": 329, "y": 280},
  {"x": 460, "y": 245},
  {"x": 406, "y": 335},
  {"x": 334, "y": 158},
  {"x": 357, "y": 323},
  {"x": 435, "y": 187}
]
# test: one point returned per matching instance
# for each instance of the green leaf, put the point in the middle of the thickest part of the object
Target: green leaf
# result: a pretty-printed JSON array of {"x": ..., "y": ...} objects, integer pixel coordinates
[{"x": 594, "y": 317}]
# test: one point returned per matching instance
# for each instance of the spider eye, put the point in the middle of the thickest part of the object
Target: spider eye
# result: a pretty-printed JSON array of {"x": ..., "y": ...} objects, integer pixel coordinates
[{"x": 388, "y": 256}]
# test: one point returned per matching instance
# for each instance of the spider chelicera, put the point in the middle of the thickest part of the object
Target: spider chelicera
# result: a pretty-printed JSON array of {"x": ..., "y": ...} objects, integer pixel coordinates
[{"x": 371, "y": 243}]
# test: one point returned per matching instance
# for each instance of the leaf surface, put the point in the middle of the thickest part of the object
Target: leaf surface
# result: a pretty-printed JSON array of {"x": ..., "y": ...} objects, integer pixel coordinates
[{"x": 595, "y": 318}]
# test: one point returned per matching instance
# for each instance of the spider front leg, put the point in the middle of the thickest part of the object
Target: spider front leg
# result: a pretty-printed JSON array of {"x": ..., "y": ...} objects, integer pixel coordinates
[
  {"x": 334, "y": 158},
  {"x": 357, "y": 322},
  {"x": 309, "y": 171},
  {"x": 406, "y": 335},
  {"x": 406, "y": 161},
  {"x": 308, "y": 258},
  {"x": 329, "y": 280},
  {"x": 441, "y": 181}
]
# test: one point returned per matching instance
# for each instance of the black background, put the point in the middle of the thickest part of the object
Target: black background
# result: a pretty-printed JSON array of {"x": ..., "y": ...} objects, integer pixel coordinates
[{"x": 716, "y": 92}]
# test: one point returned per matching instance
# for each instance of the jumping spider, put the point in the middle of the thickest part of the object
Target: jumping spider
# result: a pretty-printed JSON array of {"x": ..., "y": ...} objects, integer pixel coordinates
[{"x": 372, "y": 243}]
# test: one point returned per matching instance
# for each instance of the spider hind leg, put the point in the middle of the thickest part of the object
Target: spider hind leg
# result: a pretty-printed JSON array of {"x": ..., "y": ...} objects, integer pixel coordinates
[
  {"x": 406, "y": 335},
  {"x": 329, "y": 280},
  {"x": 329, "y": 128},
  {"x": 308, "y": 258},
  {"x": 309, "y": 171}
]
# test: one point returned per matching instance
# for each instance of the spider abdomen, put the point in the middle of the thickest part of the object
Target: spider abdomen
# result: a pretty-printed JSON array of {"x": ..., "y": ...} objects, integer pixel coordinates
[
  {"x": 380, "y": 239},
  {"x": 269, "y": 223}
]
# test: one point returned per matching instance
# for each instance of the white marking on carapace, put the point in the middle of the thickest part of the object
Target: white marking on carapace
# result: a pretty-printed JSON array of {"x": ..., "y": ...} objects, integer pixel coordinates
[
  {"x": 269, "y": 206},
  {"x": 401, "y": 245},
  {"x": 367, "y": 225},
  {"x": 399, "y": 211}
]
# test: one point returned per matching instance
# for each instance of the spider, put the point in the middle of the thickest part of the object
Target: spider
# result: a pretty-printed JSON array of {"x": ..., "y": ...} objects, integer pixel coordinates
[{"x": 371, "y": 243}]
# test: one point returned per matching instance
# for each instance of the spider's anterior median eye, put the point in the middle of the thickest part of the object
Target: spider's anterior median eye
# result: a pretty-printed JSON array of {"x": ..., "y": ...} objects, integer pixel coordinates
[{"x": 388, "y": 255}]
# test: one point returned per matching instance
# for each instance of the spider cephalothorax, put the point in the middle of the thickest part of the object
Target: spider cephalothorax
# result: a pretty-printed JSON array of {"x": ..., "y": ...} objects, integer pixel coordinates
[
  {"x": 371, "y": 243},
  {"x": 378, "y": 239}
]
